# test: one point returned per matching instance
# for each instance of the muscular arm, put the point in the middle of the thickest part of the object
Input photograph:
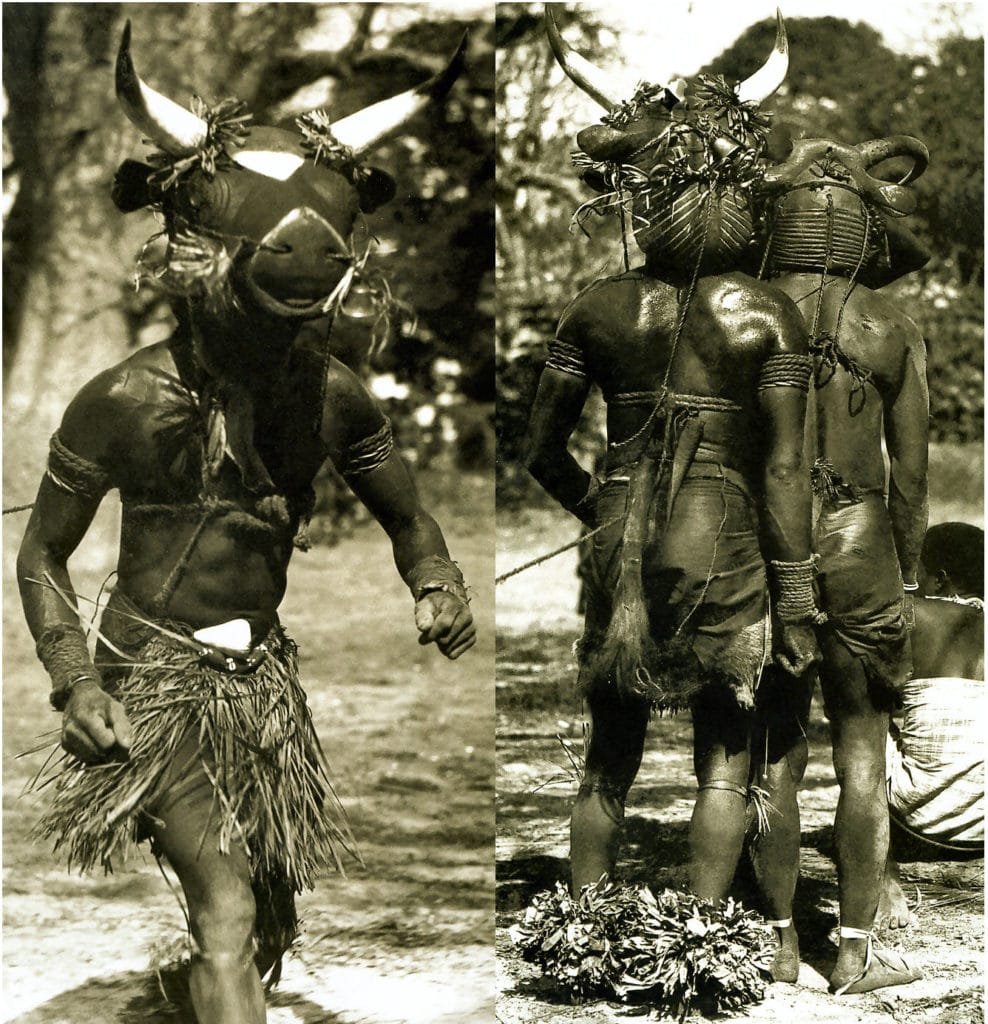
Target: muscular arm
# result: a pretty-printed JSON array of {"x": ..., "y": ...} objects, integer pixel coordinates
[
  {"x": 390, "y": 496},
  {"x": 94, "y": 725},
  {"x": 65, "y": 507},
  {"x": 783, "y": 387},
  {"x": 562, "y": 393},
  {"x": 786, "y": 479},
  {"x": 907, "y": 438},
  {"x": 380, "y": 480}
]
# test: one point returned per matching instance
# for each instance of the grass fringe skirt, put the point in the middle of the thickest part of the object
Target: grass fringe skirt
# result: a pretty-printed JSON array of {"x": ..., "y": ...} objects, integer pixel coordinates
[{"x": 250, "y": 735}]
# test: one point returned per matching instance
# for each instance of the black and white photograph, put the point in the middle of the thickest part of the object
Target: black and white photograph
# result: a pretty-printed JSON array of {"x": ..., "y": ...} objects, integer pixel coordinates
[
  {"x": 740, "y": 709},
  {"x": 493, "y": 512},
  {"x": 248, "y": 513}
]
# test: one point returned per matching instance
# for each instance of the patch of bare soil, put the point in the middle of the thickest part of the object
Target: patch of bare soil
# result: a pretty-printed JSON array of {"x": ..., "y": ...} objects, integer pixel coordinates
[
  {"x": 405, "y": 940},
  {"x": 539, "y": 711}
]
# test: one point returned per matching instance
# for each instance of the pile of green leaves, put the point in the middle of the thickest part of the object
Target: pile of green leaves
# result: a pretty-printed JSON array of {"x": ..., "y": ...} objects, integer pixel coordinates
[{"x": 669, "y": 950}]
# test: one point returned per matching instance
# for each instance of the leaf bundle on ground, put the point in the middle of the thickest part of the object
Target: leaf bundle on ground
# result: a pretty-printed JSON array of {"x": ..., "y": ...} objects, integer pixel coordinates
[{"x": 669, "y": 950}]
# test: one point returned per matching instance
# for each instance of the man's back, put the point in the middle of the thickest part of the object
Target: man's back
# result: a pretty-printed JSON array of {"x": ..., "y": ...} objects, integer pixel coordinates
[{"x": 627, "y": 329}]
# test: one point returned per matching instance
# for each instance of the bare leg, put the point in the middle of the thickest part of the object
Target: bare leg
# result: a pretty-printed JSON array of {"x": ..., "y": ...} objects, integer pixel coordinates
[
  {"x": 721, "y": 763},
  {"x": 779, "y": 754},
  {"x": 861, "y": 825},
  {"x": 614, "y": 754},
  {"x": 223, "y": 981}
]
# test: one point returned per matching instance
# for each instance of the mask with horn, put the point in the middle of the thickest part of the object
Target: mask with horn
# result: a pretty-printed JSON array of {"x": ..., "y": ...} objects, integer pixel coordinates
[
  {"x": 829, "y": 213},
  {"x": 261, "y": 217},
  {"x": 687, "y": 155}
]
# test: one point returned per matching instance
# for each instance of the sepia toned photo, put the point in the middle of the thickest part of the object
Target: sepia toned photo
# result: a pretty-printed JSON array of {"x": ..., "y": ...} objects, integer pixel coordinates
[
  {"x": 493, "y": 512},
  {"x": 248, "y": 511},
  {"x": 740, "y": 520}
]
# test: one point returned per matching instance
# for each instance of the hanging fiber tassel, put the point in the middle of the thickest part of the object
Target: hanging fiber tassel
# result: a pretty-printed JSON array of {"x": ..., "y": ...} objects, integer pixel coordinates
[{"x": 627, "y": 650}]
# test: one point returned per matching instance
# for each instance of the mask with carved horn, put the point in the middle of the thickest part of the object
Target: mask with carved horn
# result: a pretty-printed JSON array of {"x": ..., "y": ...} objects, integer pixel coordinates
[
  {"x": 687, "y": 155},
  {"x": 829, "y": 211},
  {"x": 259, "y": 215}
]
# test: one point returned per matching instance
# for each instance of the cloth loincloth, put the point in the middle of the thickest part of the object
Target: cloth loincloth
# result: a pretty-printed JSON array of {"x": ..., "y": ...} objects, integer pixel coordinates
[
  {"x": 861, "y": 589},
  {"x": 250, "y": 735},
  {"x": 935, "y": 766},
  {"x": 704, "y": 584}
]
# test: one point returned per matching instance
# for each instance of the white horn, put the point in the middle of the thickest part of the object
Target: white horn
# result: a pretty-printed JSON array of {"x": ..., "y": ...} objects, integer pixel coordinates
[
  {"x": 772, "y": 73},
  {"x": 176, "y": 130},
  {"x": 594, "y": 82},
  {"x": 371, "y": 126}
]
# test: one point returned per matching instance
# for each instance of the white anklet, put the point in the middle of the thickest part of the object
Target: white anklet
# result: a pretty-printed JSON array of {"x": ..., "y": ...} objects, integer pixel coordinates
[
  {"x": 779, "y": 924},
  {"x": 854, "y": 933}
]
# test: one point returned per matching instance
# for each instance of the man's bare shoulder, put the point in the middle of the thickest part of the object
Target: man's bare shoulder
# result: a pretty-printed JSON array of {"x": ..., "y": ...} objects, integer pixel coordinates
[
  {"x": 736, "y": 289},
  {"x": 349, "y": 410},
  {"x": 597, "y": 302},
  {"x": 125, "y": 386},
  {"x": 755, "y": 306}
]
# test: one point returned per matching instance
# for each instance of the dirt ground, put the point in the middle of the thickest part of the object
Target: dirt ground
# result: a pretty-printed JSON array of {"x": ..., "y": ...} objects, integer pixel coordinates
[
  {"x": 538, "y": 710},
  {"x": 410, "y": 737}
]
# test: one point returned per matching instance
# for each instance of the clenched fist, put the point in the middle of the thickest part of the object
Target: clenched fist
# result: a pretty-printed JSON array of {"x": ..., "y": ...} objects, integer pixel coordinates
[
  {"x": 95, "y": 727},
  {"x": 446, "y": 621}
]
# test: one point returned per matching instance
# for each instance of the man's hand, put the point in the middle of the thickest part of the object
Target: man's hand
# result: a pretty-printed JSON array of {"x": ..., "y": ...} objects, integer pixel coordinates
[
  {"x": 909, "y": 610},
  {"x": 795, "y": 647},
  {"x": 95, "y": 727},
  {"x": 445, "y": 620}
]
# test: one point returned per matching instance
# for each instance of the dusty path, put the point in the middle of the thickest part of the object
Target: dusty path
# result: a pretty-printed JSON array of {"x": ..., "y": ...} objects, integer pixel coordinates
[
  {"x": 537, "y": 707},
  {"x": 409, "y": 736}
]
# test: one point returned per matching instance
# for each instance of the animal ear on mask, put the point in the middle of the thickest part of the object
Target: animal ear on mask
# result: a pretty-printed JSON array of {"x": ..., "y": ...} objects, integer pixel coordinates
[
  {"x": 375, "y": 188},
  {"x": 132, "y": 188}
]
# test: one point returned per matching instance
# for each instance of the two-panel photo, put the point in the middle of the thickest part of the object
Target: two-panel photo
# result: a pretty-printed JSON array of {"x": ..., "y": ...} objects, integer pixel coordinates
[{"x": 493, "y": 503}]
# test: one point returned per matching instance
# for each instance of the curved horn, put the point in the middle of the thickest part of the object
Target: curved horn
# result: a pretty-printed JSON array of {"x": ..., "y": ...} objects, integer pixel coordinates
[
  {"x": 772, "y": 73},
  {"x": 877, "y": 150},
  {"x": 176, "y": 130},
  {"x": 371, "y": 126},
  {"x": 589, "y": 78}
]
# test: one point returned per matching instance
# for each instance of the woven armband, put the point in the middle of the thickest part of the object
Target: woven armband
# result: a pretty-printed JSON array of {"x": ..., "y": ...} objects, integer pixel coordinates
[
  {"x": 369, "y": 453},
  {"x": 75, "y": 475},
  {"x": 436, "y": 573},
  {"x": 565, "y": 358},
  {"x": 786, "y": 370},
  {"x": 62, "y": 650},
  {"x": 792, "y": 586}
]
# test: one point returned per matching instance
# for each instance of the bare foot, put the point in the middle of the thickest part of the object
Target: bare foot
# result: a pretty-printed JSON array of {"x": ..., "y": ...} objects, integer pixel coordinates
[
  {"x": 893, "y": 910},
  {"x": 785, "y": 965}
]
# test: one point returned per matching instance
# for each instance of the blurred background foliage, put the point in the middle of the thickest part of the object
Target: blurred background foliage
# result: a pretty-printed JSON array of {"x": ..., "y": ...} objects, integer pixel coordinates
[
  {"x": 844, "y": 82},
  {"x": 70, "y": 307}
]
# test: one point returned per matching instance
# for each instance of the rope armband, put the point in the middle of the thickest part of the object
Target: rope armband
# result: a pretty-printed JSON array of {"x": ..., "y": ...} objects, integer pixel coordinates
[
  {"x": 74, "y": 474},
  {"x": 63, "y": 651},
  {"x": 566, "y": 358},
  {"x": 435, "y": 573},
  {"x": 792, "y": 586},
  {"x": 369, "y": 453},
  {"x": 786, "y": 370}
]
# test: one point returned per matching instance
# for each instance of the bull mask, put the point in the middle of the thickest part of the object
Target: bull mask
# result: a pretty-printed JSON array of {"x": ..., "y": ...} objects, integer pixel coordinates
[
  {"x": 830, "y": 213},
  {"x": 814, "y": 160},
  {"x": 687, "y": 155},
  {"x": 269, "y": 210}
]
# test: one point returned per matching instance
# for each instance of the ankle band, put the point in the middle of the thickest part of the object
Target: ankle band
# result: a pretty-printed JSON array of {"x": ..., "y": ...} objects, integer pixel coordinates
[
  {"x": 724, "y": 784},
  {"x": 785, "y": 923},
  {"x": 854, "y": 933}
]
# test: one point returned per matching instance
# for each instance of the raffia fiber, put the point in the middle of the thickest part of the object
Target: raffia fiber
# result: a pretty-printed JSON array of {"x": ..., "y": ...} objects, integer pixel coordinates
[{"x": 255, "y": 743}]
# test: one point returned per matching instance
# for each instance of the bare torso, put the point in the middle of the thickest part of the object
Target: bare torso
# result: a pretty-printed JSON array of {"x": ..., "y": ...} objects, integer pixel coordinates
[
  {"x": 877, "y": 336},
  {"x": 626, "y": 327},
  {"x": 143, "y": 421}
]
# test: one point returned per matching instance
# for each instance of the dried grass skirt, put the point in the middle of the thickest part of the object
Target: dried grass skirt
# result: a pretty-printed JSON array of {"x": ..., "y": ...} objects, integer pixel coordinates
[{"x": 251, "y": 736}]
